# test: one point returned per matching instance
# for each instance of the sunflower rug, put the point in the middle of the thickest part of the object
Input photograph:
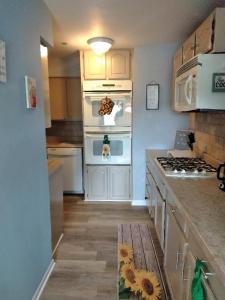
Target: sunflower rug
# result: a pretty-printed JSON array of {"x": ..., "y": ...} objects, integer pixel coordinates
[{"x": 139, "y": 273}]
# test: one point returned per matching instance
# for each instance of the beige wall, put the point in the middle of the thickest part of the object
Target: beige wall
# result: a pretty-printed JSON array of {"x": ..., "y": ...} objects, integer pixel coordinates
[{"x": 209, "y": 130}]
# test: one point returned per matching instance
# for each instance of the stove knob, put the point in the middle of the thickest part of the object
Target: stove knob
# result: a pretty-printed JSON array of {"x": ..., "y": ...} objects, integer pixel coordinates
[
  {"x": 196, "y": 171},
  {"x": 204, "y": 171},
  {"x": 175, "y": 171},
  {"x": 183, "y": 171}
]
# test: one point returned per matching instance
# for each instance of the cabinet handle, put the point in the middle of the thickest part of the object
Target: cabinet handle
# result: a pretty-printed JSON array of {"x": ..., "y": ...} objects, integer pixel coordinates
[
  {"x": 173, "y": 211},
  {"x": 206, "y": 275},
  {"x": 177, "y": 258}
]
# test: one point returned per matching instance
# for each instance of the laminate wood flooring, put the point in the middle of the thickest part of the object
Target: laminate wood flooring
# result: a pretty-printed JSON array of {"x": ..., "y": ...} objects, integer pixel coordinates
[{"x": 86, "y": 259}]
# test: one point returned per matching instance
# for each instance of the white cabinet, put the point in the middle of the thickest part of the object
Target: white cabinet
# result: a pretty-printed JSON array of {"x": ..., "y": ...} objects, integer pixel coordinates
[
  {"x": 96, "y": 183},
  {"x": 118, "y": 64},
  {"x": 160, "y": 217},
  {"x": 174, "y": 256},
  {"x": 94, "y": 65},
  {"x": 113, "y": 65},
  {"x": 107, "y": 183}
]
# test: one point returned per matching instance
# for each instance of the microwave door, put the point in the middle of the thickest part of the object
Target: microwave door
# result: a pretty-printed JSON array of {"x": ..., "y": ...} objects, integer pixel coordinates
[{"x": 184, "y": 93}]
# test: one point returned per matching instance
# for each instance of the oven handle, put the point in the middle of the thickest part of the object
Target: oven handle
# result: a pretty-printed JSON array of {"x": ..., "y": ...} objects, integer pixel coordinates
[
  {"x": 98, "y": 135},
  {"x": 99, "y": 97},
  {"x": 107, "y": 132}
]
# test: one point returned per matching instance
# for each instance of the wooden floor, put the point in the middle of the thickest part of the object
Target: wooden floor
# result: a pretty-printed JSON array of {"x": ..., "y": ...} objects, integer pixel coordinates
[{"x": 86, "y": 260}]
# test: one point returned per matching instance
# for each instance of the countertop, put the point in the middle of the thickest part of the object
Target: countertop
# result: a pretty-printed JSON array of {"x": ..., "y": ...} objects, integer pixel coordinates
[
  {"x": 65, "y": 145},
  {"x": 53, "y": 166},
  {"x": 204, "y": 206}
]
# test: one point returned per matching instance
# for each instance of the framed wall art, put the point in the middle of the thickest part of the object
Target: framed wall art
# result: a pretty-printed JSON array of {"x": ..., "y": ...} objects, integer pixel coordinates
[
  {"x": 31, "y": 92},
  {"x": 218, "y": 84},
  {"x": 152, "y": 96},
  {"x": 2, "y": 62}
]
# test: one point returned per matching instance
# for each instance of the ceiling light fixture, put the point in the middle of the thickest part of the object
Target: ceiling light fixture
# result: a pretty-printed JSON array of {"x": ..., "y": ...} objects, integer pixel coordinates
[{"x": 100, "y": 45}]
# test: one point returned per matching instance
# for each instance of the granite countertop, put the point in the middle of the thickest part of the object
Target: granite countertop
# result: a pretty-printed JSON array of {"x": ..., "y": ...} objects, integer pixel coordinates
[
  {"x": 204, "y": 206},
  {"x": 53, "y": 166},
  {"x": 65, "y": 145}
]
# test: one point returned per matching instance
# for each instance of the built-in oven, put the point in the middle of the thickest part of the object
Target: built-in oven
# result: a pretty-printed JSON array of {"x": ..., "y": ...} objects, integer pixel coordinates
[
  {"x": 118, "y": 144},
  {"x": 107, "y": 103}
]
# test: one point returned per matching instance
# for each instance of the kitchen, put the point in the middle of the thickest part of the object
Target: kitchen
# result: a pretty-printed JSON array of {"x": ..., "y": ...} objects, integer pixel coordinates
[{"x": 151, "y": 129}]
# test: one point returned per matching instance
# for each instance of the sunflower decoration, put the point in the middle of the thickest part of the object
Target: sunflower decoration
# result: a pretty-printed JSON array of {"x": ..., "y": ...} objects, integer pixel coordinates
[
  {"x": 148, "y": 285},
  {"x": 125, "y": 253},
  {"x": 128, "y": 273}
]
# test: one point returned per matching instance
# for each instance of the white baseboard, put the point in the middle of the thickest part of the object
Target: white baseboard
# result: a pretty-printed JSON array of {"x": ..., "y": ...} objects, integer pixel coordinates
[
  {"x": 44, "y": 280},
  {"x": 105, "y": 200},
  {"x": 139, "y": 203},
  {"x": 56, "y": 246}
]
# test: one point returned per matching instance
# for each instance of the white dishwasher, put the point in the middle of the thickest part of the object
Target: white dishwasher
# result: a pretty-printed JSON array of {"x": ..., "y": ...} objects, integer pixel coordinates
[{"x": 72, "y": 167}]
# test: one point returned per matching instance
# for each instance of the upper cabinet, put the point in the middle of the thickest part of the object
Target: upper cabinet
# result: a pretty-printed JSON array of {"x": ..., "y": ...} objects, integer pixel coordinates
[
  {"x": 205, "y": 35},
  {"x": 189, "y": 48},
  {"x": 65, "y": 98},
  {"x": 57, "y": 98},
  {"x": 209, "y": 37},
  {"x": 113, "y": 65},
  {"x": 94, "y": 65},
  {"x": 118, "y": 64}
]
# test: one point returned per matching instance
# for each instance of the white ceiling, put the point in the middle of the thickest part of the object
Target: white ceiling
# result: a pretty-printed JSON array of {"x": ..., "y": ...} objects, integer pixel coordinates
[{"x": 128, "y": 22}]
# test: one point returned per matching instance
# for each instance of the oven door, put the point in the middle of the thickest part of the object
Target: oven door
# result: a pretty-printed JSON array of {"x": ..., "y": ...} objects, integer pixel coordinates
[
  {"x": 120, "y": 115},
  {"x": 120, "y": 148}
]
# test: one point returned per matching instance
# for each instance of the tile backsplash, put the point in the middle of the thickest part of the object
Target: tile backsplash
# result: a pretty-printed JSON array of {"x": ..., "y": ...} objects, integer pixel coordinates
[
  {"x": 209, "y": 130},
  {"x": 65, "y": 131}
]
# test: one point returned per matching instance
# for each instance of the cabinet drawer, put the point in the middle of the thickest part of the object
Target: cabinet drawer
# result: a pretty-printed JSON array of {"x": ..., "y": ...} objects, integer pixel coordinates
[{"x": 177, "y": 212}]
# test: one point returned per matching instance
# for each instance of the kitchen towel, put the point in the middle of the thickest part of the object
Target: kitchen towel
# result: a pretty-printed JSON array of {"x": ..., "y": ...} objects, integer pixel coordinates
[{"x": 197, "y": 289}]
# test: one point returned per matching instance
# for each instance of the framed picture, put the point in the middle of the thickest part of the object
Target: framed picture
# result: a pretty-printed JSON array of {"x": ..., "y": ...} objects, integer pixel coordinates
[
  {"x": 2, "y": 62},
  {"x": 31, "y": 92},
  {"x": 218, "y": 84},
  {"x": 152, "y": 96}
]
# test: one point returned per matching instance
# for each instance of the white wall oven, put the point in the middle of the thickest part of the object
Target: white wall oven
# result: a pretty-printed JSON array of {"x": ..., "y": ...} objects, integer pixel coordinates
[
  {"x": 118, "y": 143},
  {"x": 107, "y": 103}
]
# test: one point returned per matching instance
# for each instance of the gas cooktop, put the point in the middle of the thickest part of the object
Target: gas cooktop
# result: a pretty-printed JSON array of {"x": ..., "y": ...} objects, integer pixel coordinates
[{"x": 186, "y": 167}]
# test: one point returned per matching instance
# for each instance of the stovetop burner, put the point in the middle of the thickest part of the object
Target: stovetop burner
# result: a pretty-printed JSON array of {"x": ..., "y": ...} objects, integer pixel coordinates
[{"x": 186, "y": 167}]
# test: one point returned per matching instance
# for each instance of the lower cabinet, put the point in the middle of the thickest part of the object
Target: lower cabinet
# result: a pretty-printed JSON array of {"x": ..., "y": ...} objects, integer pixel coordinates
[
  {"x": 107, "y": 183},
  {"x": 56, "y": 206},
  {"x": 174, "y": 257}
]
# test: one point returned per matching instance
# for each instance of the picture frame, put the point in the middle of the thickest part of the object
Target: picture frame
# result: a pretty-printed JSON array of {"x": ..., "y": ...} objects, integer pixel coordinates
[
  {"x": 152, "y": 96},
  {"x": 31, "y": 92},
  {"x": 3, "y": 78},
  {"x": 218, "y": 82}
]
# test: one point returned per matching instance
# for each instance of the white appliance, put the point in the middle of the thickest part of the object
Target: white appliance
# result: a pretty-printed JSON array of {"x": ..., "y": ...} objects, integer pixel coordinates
[
  {"x": 72, "y": 167},
  {"x": 120, "y": 147},
  {"x": 193, "y": 83},
  {"x": 119, "y": 91}
]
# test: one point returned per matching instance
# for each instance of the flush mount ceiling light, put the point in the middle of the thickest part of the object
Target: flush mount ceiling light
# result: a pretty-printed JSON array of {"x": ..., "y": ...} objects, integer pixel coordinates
[{"x": 100, "y": 45}]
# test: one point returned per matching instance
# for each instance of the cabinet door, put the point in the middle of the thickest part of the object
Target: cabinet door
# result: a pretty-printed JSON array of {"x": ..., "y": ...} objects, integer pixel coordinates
[
  {"x": 118, "y": 64},
  {"x": 189, "y": 48},
  {"x": 178, "y": 59},
  {"x": 94, "y": 66},
  {"x": 58, "y": 98},
  {"x": 56, "y": 203},
  {"x": 159, "y": 221},
  {"x": 119, "y": 182},
  {"x": 204, "y": 35},
  {"x": 74, "y": 107},
  {"x": 174, "y": 255},
  {"x": 96, "y": 183}
]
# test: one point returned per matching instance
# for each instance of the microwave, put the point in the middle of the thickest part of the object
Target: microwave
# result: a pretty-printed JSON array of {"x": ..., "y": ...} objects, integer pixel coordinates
[{"x": 194, "y": 84}]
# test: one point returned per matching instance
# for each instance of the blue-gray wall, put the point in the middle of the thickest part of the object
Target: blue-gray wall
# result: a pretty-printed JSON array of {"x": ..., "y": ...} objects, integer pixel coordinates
[
  {"x": 25, "y": 249},
  {"x": 152, "y": 129}
]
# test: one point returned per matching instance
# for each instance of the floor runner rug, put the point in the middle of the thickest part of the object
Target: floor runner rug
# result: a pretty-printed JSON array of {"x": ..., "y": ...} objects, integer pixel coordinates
[{"x": 139, "y": 275}]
